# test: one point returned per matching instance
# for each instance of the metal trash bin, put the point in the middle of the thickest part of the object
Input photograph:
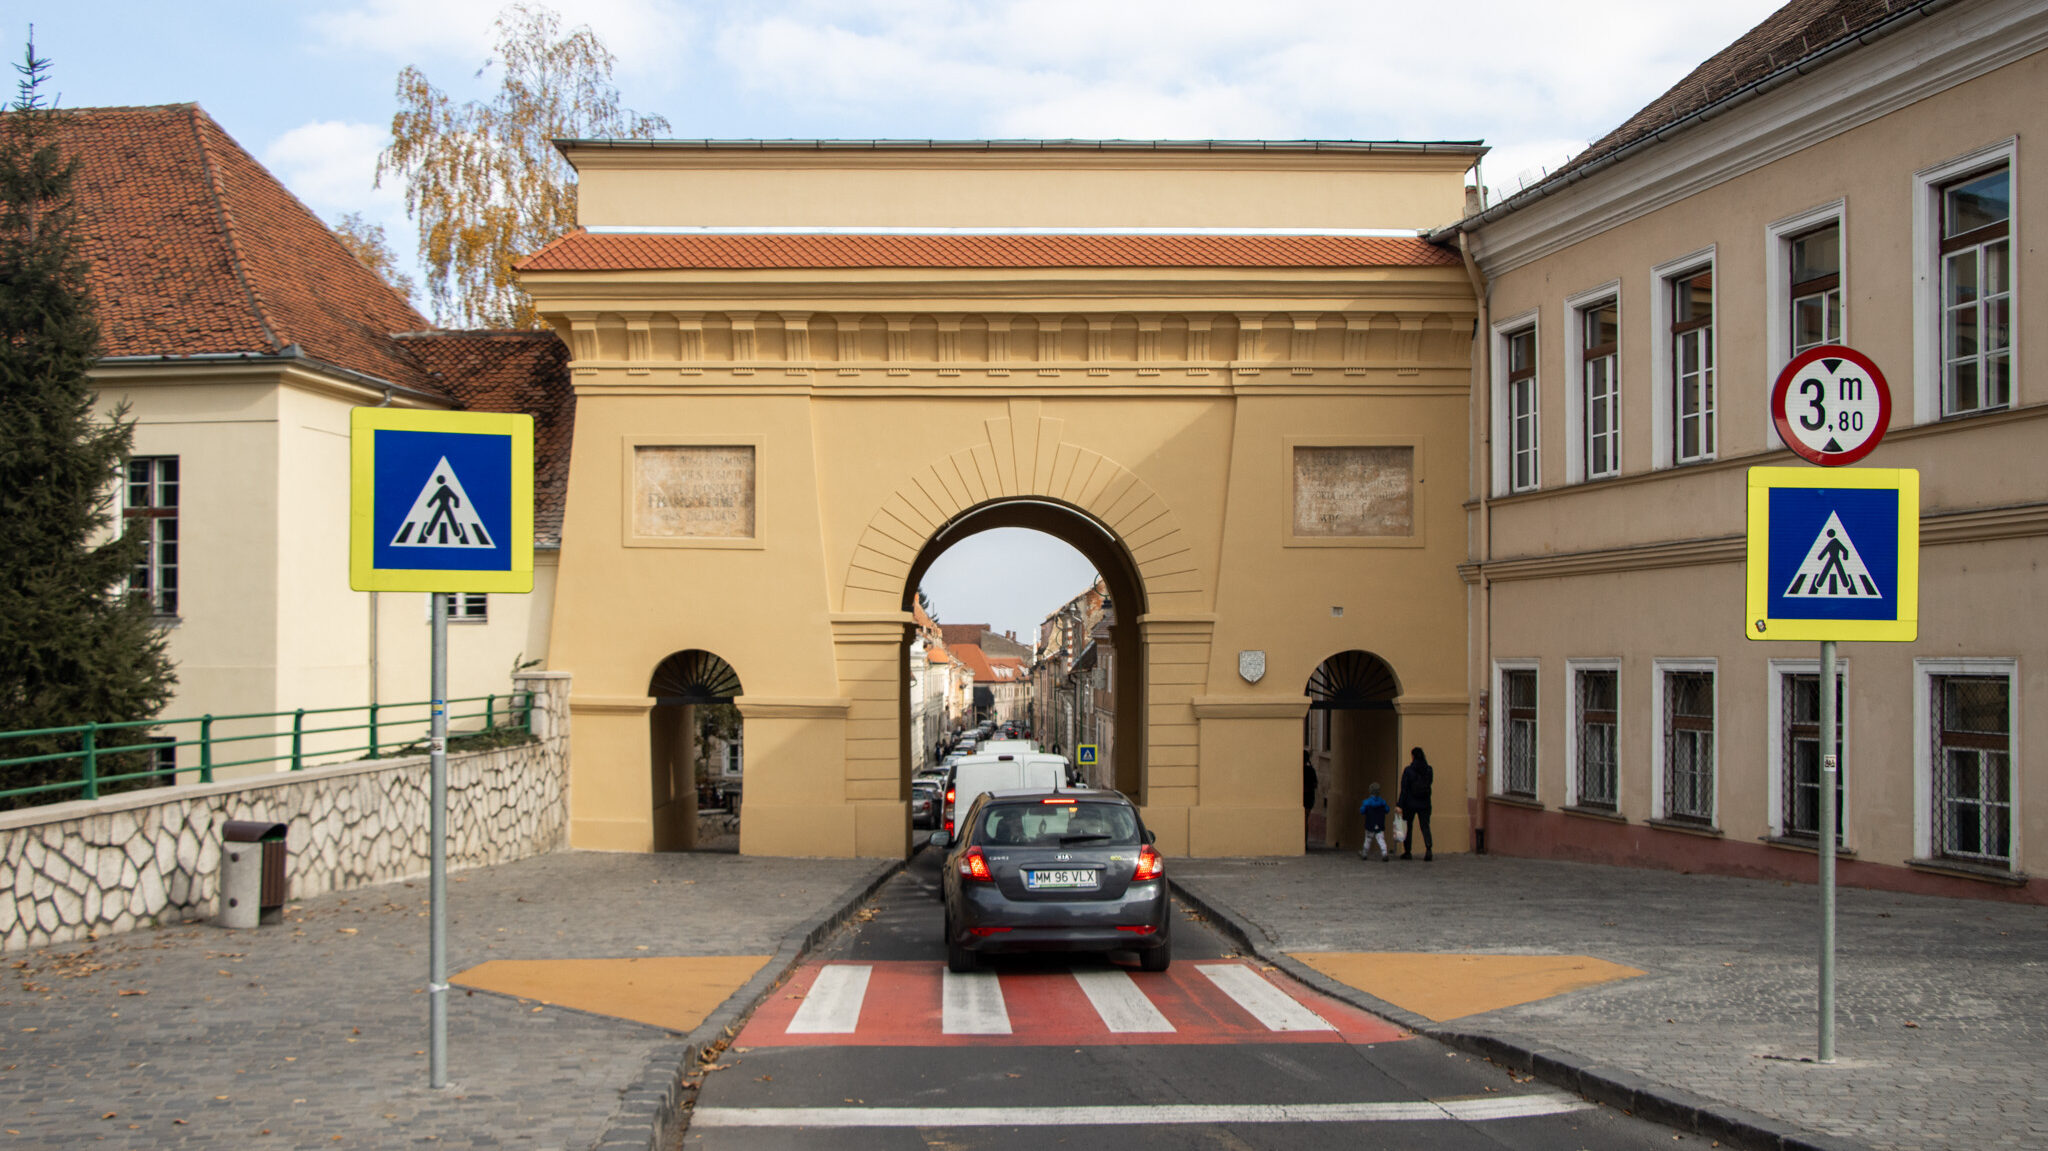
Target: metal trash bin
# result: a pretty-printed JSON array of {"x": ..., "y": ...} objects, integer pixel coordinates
[{"x": 252, "y": 880}]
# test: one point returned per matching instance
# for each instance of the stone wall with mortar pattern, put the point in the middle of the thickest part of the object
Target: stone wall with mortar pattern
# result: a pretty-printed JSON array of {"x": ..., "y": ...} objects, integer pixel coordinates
[{"x": 87, "y": 868}]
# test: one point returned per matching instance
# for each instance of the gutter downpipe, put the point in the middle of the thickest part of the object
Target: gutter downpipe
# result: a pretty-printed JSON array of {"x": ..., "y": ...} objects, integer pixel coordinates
[{"x": 1482, "y": 335}]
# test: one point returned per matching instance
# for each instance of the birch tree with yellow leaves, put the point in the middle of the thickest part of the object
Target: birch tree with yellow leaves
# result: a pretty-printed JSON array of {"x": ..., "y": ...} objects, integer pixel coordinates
[{"x": 483, "y": 179}]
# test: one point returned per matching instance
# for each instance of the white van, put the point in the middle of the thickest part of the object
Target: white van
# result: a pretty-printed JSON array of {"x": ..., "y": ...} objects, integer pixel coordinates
[
  {"x": 1013, "y": 746},
  {"x": 1002, "y": 771}
]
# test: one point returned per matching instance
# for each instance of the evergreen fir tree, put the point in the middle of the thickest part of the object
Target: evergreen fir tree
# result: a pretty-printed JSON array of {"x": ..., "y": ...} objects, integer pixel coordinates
[{"x": 74, "y": 648}]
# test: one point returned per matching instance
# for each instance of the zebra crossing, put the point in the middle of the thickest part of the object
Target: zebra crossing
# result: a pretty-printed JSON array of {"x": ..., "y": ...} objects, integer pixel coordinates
[{"x": 921, "y": 1004}]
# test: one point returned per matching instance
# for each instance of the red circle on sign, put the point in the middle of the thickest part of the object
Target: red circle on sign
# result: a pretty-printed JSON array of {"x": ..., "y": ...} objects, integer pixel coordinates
[{"x": 1781, "y": 394}]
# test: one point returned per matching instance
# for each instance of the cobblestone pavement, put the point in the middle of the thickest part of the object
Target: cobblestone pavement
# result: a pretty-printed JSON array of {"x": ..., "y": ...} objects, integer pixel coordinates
[
  {"x": 313, "y": 1034},
  {"x": 1942, "y": 1017}
]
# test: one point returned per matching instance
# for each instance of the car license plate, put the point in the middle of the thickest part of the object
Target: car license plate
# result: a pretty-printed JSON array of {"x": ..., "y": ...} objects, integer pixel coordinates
[{"x": 1039, "y": 880}]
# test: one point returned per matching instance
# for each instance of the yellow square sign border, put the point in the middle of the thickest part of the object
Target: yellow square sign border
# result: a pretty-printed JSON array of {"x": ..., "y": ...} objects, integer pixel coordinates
[
  {"x": 363, "y": 575},
  {"x": 1756, "y": 573}
]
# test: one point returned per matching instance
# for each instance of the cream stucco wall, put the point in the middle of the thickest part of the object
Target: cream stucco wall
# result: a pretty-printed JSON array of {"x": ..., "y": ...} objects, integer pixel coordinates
[
  {"x": 267, "y": 621},
  {"x": 1649, "y": 566}
]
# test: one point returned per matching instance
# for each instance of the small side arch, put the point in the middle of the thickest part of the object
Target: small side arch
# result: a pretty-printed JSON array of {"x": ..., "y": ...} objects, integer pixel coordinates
[
  {"x": 1351, "y": 740},
  {"x": 694, "y": 735}
]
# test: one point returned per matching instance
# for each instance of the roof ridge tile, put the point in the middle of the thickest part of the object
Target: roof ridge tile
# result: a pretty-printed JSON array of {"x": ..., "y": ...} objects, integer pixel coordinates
[{"x": 236, "y": 258}]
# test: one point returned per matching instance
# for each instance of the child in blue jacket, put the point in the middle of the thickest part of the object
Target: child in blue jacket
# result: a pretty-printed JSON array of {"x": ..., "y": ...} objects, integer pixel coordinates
[{"x": 1374, "y": 809}]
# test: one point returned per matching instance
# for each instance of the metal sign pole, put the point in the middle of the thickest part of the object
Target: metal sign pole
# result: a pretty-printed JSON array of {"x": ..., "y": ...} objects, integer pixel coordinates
[
  {"x": 437, "y": 835},
  {"x": 1829, "y": 776}
]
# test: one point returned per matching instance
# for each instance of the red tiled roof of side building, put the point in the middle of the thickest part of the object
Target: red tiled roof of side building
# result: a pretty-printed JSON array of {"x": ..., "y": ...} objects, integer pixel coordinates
[
  {"x": 971, "y": 657},
  {"x": 196, "y": 249},
  {"x": 513, "y": 371},
  {"x": 582, "y": 251}
]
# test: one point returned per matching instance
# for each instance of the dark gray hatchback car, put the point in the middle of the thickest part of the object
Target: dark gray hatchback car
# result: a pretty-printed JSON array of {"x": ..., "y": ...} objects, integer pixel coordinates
[{"x": 1054, "y": 871}]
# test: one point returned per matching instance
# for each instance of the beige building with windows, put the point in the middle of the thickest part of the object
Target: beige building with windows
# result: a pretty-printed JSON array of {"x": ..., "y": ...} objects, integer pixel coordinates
[
  {"x": 1231, "y": 375},
  {"x": 1846, "y": 173},
  {"x": 239, "y": 333}
]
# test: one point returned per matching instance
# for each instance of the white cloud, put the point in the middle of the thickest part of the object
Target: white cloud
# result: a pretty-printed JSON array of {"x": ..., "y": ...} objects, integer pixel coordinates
[
  {"x": 645, "y": 35},
  {"x": 332, "y": 166},
  {"x": 1504, "y": 69}
]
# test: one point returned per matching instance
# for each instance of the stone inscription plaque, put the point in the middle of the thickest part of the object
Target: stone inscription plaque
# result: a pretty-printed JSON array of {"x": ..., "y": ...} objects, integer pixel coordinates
[
  {"x": 1342, "y": 493},
  {"x": 694, "y": 492}
]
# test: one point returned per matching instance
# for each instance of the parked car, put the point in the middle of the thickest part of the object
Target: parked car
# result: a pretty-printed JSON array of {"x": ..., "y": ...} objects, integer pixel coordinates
[
  {"x": 925, "y": 801},
  {"x": 1053, "y": 871}
]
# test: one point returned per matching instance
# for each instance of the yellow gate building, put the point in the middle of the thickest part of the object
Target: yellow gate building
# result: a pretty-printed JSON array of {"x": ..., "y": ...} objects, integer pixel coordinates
[{"x": 1230, "y": 374}]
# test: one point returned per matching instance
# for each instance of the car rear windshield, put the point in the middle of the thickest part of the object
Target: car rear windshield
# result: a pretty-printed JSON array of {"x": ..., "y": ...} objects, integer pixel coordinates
[{"x": 1056, "y": 824}]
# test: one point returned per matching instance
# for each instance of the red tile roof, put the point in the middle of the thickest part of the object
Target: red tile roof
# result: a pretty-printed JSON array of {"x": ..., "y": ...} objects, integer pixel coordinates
[
  {"x": 513, "y": 371},
  {"x": 581, "y": 251},
  {"x": 197, "y": 249}
]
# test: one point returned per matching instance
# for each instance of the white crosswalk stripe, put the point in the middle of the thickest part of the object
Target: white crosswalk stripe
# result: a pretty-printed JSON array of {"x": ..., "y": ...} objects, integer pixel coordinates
[
  {"x": 1266, "y": 1003},
  {"x": 833, "y": 1005},
  {"x": 1116, "y": 998},
  {"x": 1421, "y": 1110},
  {"x": 973, "y": 1005}
]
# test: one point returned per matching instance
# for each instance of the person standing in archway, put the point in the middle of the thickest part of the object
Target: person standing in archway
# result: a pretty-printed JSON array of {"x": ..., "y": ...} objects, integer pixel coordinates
[{"x": 1413, "y": 804}]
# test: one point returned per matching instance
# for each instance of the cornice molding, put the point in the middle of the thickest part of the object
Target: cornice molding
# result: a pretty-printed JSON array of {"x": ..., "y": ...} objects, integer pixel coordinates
[
  {"x": 1949, "y": 49},
  {"x": 1937, "y": 529}
]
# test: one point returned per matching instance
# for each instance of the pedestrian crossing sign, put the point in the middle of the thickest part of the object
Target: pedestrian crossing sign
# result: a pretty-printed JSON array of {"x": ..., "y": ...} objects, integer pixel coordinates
[
  {"x": 1085, "y": 755},
  {"x": 440, "y": 501},
  {"x": 1833, "y": 555}
]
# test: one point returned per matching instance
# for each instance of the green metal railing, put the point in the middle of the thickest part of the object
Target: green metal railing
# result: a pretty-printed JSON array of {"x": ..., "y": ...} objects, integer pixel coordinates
[{"x": 384, "y": 728}]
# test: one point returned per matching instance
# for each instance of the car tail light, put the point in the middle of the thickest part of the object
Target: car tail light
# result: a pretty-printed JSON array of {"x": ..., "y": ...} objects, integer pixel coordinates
[
  {"x": 986, "y": 930},
  {"x": 974, "y": 865},
  {"x": 949, "y": 797},
  {"x": 1141, "y": 929},
  {"x": 1150, "y": 866},
  {"x": 1067, "y": 802}
]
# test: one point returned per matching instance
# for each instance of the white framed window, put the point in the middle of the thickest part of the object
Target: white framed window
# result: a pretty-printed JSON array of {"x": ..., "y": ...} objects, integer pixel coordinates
[
  {"x": 1593, "y": 776},
  {"x": 1805, "y": 263},
  {"x": 1517, "y": 430},
  {"x": 1965, "y": 763},
  {"x": 1515, "y": 727},
  {"x": 1685, "y": 707},
  {"x": 1795, "y": 750},
  {"x": 1592, "y": 352},
  {"x": 149, "y": 507},
  {"x": 1684, "y": 400},
  {"x": 464, "y": 607},
  {"x": 1965, "y": 286}
]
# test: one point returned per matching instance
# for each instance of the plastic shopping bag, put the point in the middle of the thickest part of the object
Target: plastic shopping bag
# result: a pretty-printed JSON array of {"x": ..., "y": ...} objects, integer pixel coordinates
[{"x": 1400, "y": 825}]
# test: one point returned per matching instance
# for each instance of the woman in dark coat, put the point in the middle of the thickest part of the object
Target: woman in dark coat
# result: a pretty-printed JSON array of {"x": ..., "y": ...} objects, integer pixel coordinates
[{"x": 1413, "y": 804}]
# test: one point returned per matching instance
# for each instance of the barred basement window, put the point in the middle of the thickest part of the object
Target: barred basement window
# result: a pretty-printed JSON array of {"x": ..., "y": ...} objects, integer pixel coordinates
[
  {"x": 1972, "y": 726},
  {"x": 1689, "y": 746},
  {"x": 1801, "y": 756},
  {"x": 150, "y": 508},
  {"x": 1518, "y": 766},
  {"x": 1599, "y": 721}
]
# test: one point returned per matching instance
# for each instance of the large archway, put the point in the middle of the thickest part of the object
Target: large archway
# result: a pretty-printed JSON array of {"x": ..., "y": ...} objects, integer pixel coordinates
[
  {"x": 1351, "y": 739},
  {"x": 1102, "y": 547},
  {"x": 693, "y": 721}
]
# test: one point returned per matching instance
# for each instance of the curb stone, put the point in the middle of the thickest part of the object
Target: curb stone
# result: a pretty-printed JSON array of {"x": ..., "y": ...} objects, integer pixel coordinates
[
  {"x": 1641, "y": 1097},
  {"x": 650, "y": 1113}
]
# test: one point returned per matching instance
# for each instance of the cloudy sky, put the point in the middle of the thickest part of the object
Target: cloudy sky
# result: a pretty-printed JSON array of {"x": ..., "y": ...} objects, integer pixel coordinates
[{"x": 306, "y": 85}]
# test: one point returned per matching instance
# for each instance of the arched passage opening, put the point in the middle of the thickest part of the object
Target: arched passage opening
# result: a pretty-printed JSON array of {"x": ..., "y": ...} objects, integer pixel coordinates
[
  {"x": 1351, "y": 739},
  {"x": 696, "y": 745},
  {"x": 1126, "y": 602}
]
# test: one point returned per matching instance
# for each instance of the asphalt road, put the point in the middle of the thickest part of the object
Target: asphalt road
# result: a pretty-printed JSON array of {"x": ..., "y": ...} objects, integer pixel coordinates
[{"x": 873, "y": 1045}]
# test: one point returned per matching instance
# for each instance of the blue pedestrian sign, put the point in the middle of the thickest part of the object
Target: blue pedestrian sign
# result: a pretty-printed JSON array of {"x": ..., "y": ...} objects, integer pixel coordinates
[
  {"x": 1833, "y": 555},
  {"x": 440, "y": 501},
  {"x": 1084, "y": 755}
]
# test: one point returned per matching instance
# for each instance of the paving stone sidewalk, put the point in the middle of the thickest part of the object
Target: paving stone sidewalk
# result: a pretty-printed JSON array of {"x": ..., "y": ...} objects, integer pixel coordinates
[
  {"x": 1942, "y": 1011},
  {"x": 313, "y": 1034}
]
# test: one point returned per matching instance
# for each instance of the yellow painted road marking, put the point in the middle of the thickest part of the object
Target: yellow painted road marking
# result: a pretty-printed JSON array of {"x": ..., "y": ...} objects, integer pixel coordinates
[
  {"x": 1440, "y": 987},
  {"x": 675, "y": 992}
]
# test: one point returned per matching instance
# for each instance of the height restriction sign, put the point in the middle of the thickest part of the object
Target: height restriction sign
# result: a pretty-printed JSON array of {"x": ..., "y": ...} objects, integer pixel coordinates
[
  {"x": 1834, "y": 555},
  {"x": 1831, "y": 405},
  {"x": 440, "y": 501}
]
